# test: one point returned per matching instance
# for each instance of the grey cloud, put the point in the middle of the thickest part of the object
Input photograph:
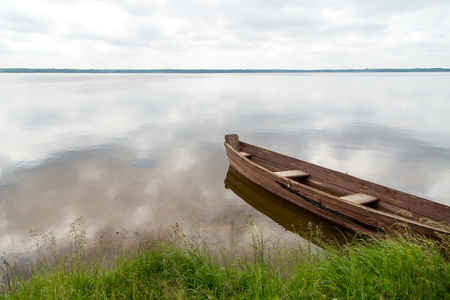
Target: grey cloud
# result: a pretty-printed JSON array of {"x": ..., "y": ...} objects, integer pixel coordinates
[
  {"x": 15, "y": 20},
  {"x": 270, "y": 31},
  {"x": 383, "y": 7}
]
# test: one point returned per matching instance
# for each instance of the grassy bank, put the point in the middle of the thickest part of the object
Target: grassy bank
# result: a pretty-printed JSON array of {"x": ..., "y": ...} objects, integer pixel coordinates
[{"x": 177, "y": 268}]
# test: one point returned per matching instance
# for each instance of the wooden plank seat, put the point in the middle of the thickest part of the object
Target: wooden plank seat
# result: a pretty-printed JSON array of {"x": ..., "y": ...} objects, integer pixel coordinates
[
  {"x": 360, "y": 198},
  {"x": 292, "y": 174},
  {"x": 245, "y": 154}
]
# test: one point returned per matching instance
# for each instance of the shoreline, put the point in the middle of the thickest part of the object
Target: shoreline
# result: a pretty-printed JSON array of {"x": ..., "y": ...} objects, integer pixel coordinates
[{"x": 218, "y": 71}]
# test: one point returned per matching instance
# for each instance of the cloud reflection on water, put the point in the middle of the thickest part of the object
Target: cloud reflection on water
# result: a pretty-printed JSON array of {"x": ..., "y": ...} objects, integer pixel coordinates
[
  {"x": 141, "y": 151},
  {"x": 116, "y": 191}
]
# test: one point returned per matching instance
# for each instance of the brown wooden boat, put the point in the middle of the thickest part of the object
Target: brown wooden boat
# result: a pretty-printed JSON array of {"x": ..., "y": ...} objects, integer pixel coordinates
[{"x": 353, "y": 203}]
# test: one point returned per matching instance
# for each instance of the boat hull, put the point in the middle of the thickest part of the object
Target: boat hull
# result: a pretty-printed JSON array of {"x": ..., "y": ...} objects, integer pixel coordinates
[{"x": 358, "y": 218}]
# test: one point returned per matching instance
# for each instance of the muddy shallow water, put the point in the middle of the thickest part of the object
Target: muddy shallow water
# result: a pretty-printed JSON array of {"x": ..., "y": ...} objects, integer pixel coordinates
[{"x": 141, "y": 152}]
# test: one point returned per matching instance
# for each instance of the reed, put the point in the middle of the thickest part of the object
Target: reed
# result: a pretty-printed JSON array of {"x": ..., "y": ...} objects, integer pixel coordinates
[{"x": 177, "y": 267}]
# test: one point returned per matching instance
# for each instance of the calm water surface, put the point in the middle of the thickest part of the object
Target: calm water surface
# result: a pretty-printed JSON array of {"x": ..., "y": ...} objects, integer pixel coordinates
[{"x": 145, "y": 151}]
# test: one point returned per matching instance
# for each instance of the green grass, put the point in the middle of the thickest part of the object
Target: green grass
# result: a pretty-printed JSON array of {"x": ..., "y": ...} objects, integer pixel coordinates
[{"x": 178, "y": 268}]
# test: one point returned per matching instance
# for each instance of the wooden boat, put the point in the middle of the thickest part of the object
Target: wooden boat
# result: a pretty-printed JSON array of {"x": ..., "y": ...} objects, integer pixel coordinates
[{"x": 353, "y": 203}]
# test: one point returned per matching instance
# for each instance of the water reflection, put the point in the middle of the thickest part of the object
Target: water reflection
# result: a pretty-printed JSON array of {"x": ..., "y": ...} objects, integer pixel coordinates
[
  {"x": 117, "y": 190},
  {"x": 289, "y": 216},
  {"x": 146, "y": 150}
]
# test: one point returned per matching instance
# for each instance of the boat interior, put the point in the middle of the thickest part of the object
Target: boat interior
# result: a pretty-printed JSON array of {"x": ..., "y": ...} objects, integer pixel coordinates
[
  {"x": 306, "y": 179},
  {"x": 312, "y": 181}
]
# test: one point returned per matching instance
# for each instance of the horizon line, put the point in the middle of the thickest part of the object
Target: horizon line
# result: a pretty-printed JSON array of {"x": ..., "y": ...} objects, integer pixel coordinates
[{"x": 202, "y": 70}]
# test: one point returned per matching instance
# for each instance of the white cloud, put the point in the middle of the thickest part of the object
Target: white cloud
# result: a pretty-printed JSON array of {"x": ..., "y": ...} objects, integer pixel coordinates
[{"x": 224, "y": 34}]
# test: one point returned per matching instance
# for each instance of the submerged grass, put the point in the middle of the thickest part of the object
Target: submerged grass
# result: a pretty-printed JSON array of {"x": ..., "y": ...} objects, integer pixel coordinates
[{"x": 179, "y": 268}]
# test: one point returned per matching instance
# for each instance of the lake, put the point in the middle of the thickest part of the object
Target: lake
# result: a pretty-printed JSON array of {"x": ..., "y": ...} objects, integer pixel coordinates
[{"x": 144, "y": 152}]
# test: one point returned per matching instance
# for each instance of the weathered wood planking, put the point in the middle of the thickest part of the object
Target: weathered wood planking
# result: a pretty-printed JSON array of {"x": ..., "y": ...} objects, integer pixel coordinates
[
  {"x": 292, "y": 174},
  {"x": 360, "y": 198},
  {"x": 351, "y": 202}
]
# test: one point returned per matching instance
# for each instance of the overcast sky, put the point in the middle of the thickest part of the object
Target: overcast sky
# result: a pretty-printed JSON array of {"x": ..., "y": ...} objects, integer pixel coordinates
[{"x": 286, "y": 34}]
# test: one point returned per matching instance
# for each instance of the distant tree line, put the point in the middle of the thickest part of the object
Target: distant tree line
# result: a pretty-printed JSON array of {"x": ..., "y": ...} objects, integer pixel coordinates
[{"x": 31, "y": 70}]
